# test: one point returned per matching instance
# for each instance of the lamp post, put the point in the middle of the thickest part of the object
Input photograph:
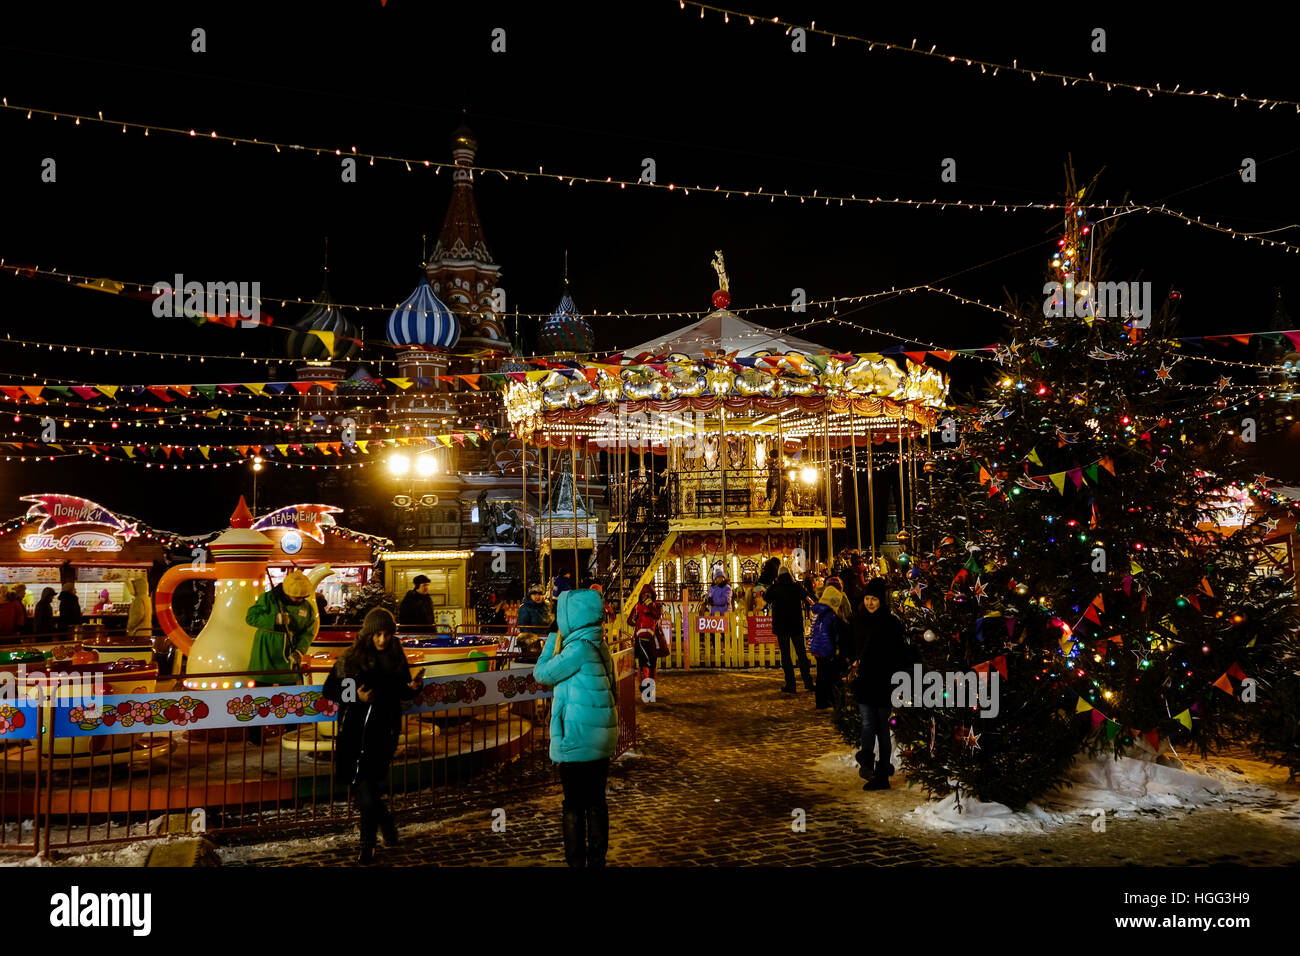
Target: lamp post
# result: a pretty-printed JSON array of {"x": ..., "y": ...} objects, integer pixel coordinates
[{"x": 257, "y": 466}]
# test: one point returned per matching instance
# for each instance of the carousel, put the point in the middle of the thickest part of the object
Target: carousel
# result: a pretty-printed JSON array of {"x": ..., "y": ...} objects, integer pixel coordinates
[{"x": 726, "y": 443}]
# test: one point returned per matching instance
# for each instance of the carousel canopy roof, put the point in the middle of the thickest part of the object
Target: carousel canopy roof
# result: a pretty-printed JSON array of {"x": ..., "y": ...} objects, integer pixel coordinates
[{"x": 724, "y": 331}]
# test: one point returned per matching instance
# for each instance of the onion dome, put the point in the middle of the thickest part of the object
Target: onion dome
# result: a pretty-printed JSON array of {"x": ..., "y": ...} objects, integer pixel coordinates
[
  {"x": 423, "y": 320},
  {"x": 325, "y": 316},
  {"x": 565, "y": 330}
]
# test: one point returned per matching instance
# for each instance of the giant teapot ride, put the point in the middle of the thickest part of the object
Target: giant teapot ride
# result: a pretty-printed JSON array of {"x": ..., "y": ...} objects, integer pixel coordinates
[{"x": 238, "y": 567}]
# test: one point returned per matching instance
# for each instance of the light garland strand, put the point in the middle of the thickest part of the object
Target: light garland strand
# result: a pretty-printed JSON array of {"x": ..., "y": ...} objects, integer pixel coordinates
[
  {"x": 717, "y": 190},
  {"x": 985, "y": 66}
]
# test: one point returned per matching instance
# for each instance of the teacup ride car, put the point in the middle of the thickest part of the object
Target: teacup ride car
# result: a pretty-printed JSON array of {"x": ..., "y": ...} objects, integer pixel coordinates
[{"x": 81, "y": 681}]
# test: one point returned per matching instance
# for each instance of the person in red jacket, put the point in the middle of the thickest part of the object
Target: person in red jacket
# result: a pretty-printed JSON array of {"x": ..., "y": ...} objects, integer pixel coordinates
[{"x": 644, "y": 620}]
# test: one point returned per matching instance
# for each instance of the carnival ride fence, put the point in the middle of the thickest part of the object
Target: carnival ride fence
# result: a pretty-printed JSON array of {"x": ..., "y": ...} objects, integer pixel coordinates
[{"x": 243, "y": 759}]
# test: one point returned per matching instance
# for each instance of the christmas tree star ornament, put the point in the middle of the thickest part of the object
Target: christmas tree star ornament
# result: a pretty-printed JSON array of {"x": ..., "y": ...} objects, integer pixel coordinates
[
  {"x": 1223, "y": 383},
  {"x": 1158, "y": 464},
  {"x": 972, "y": 739},
  {"x": 1163, "y": 372},
  {"x": 979, "y": 589}
]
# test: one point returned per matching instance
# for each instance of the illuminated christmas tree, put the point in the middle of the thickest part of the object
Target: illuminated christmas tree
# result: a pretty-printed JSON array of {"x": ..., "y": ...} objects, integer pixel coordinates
[{"x": 1076, "y": 551}]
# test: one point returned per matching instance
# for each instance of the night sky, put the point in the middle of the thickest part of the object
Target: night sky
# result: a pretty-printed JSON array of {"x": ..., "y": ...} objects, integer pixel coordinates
[{"x": 594, "y": 90}]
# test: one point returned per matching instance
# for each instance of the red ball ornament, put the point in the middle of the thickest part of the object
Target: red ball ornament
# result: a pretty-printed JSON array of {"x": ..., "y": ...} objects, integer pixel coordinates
[{"x": 721, "y": 299}]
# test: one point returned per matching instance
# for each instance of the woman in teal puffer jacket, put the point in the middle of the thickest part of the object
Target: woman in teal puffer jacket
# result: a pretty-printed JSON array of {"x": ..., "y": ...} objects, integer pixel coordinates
[{"x": 584, "y": 721}]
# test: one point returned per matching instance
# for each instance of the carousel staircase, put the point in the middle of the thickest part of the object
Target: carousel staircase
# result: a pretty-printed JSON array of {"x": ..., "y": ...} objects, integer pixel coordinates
[{"x": 650, "y": 543}]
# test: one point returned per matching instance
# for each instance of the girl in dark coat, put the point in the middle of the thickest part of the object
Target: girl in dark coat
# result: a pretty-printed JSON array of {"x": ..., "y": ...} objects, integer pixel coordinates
[
  {"x": 787, "y": 600},
  {"x": 881, "y": 651},
  {"x": 43, "y": 613},
  {"x": 370, "y": 680}
]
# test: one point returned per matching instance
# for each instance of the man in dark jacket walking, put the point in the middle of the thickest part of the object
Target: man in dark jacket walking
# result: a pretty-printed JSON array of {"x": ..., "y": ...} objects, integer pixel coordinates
[
  {"x": 881, "y": 651},
  {"x": 787, "y": 600},
  {"x": 417, "y": 607}
]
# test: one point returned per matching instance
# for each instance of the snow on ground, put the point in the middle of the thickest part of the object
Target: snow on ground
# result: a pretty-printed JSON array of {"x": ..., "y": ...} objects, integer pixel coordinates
[{"x": 1125, "y": 789}]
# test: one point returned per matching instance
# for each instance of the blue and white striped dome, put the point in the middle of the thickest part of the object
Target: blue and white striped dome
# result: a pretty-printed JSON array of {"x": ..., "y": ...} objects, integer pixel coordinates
[{"x": 423, "y": 320}]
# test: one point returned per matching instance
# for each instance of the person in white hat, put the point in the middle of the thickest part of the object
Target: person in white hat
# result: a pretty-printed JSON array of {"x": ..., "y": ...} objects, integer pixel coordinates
[{"x": 286, "y": 623}]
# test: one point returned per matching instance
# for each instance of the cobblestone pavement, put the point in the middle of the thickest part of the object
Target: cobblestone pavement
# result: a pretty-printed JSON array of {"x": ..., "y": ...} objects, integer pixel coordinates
[{"x": 724, "y": 761}]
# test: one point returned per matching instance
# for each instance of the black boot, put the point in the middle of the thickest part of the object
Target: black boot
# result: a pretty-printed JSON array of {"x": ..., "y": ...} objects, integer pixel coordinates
[
  {"x": 369, "y": 825},
  {"x": 387, "y": 827},
  {"x": 807, "y": 678},
  {"x": 597, "y": 834},
  {"x": 575, "y": 836},
  {"x": 880, "y": 779}
]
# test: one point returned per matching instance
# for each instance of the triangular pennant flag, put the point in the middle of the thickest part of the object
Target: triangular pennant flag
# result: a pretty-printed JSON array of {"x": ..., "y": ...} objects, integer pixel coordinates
[
  {"x": 942, "y": 354},
  {"x": 1185, "y": 718},
  {"x": 1091, "y": 614},
  {"x": 301, "y": 387},
  {"x": 984, "y": 475},
  {"x": 257, "y": 388},
  {"x": 328, "y": 386},
  {"x": 972, "y": 565},
  {"x": 472, "y": 380},
  {"x": 1000, "y": 662},
  {"x": 538, "y": 376},
  {"x": 917, "y": 357},
  {"x": 1112, "y": 730},
  {"x": 1224, "y": 685},
  {"x": 207, "y": 391},
  {"x": 1099, "y": 604},
  {"x": 204, "y": 449},
  {"x": 336, "y": 447},
  {"x": 404, "y": 383},
  {"x": 1082, "y": 707},
  {"x": 33, "y": 391},
  {"x": 1033, "y": 457},
  {"x": 1076, "y": 476},
  {"x": 129, "y": 451},
  {"x": 1107, "y": 463},
  {"x": 1091, "y": 472},
  {"x": 1098, "y": 718},
  {"x": 363, "y": 445},
  {"x": 982, "y": 668},
  {"x": 283, "y": 449},
  {"x": 109, "y": 390},
  {"x": 1136, "y": 568},
  {"x": 1194, "y": 601},
  {"x": 84, "y": 391},
  {"x": 1153, "y": 738},
  {"x": 1058, "y": 479},
  {"x": 160, "y": 391},
  {"x": 243, "y": 450},
  {"x": 445, "y": 439},
  {"x": 1205, "y": 586},
  {"x": 325, "y": 337},
  {"x": 323, "y": 447},
  {"x": 1236, "y": 671},
  {"x": 182, "y": 389}
]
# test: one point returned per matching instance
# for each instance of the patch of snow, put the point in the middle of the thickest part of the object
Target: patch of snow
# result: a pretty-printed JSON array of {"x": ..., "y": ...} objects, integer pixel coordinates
[{"x": 976, "y": 816}]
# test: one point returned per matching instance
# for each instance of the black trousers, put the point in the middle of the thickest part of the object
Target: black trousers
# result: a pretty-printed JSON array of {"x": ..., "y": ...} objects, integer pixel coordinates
[
  {"x": 827, "y": 674},
  {"x": 645, "y": 657},
  {"x": 584, "y": 783},
  {"x": 784, "y": 641},
  {"x": 370, "y": 803}
]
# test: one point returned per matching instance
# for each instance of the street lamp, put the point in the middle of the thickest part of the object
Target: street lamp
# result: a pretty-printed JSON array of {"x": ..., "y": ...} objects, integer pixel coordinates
[
  {"x": 399, "y": 464},
  {"x": 257, "y": 466},
  {"x": 425, "y": 465}
]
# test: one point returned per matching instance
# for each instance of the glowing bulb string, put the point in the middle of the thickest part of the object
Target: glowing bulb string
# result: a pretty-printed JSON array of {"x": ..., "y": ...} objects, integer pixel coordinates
[
  {"x": 717, "y": 190},
  {"x": 987, "y": 66}
]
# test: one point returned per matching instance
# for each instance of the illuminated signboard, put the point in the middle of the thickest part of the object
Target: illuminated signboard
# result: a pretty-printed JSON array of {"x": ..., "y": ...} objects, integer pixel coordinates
[
  {"x": 82, "y": 540},
  {"x": 59, "y": 511},
  {"x": 308, "y": 519}
]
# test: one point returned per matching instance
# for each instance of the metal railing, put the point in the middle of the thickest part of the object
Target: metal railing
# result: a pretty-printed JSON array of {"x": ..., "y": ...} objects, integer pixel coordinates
[{"x": 244, "y": 759}]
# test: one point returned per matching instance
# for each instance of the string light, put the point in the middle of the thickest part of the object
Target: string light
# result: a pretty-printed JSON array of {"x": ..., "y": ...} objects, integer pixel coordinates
[
  {"x": 728, "y": 192},
  {"x": 986, "y": 65}
]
